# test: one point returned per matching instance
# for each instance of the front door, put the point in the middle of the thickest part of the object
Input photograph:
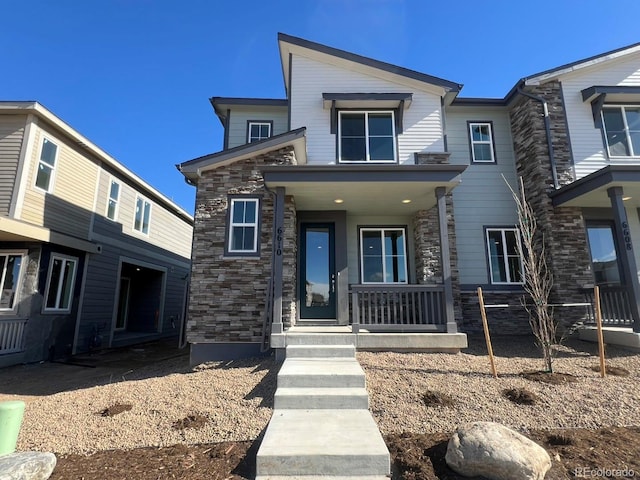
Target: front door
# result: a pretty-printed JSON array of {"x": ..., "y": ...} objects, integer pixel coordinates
[{"x": 317, "y": 272}]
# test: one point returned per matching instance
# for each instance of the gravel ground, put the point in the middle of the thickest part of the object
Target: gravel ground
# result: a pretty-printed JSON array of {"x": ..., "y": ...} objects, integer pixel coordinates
[{"x": 236, "y": 398}]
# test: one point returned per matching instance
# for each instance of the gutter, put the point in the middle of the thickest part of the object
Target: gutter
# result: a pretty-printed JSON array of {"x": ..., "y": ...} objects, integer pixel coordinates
[{"x": 547, "y": 127}]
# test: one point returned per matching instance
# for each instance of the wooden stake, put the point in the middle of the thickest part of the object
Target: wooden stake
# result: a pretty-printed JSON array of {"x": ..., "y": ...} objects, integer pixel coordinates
[
  {"x": 596, "y": 294},
  {"x": 487, "y": 338}
]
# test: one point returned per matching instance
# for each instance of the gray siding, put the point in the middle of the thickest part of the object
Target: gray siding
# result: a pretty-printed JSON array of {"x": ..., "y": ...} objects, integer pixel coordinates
[
  {"x": 483, "y": 198},
  {"x": 11, "y": 134},
  {"x": 241, "y": 115}
]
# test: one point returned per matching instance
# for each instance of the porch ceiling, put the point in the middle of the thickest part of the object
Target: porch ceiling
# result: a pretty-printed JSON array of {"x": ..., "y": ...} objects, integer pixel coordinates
[
  {"x": 591, "y": 191},
  {"x": 364, "y": 189}
]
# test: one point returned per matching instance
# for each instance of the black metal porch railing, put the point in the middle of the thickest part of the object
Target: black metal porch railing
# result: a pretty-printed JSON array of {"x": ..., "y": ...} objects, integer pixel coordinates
[
  {"x": 398, "y": 308},
  {"x": 614, "y": 304}
]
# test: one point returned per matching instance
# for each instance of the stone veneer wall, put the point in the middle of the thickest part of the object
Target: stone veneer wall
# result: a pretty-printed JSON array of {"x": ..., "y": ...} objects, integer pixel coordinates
[
  {"x": 228, "y": 294},
  {"x": 563, "y": 227}
]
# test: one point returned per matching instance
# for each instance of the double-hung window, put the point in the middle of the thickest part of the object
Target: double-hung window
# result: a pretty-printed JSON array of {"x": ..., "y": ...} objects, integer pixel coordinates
[
  {"x": 258, "y": 131},
  {"x": 503, "y": 250},
  {"x": 242, "y": 236},
  {"x": 112, "y": 201},
  {"x": 59, "y": 291},
  {"x": 383, "y": 255},
  {"x": 11, "y": 266},
  {"x": 366, "y": 136},
  {"x": 622, "y": 130},
  {"x": 46, "y": 165},
  {"x": 481, "y": 140},
  {"x": 142, "y": 216}
]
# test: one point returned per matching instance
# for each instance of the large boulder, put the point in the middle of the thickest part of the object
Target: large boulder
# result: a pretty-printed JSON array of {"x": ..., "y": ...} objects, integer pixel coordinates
[
  {"x": 27, "y": 466},
  {"x": 496, "y": 452}
]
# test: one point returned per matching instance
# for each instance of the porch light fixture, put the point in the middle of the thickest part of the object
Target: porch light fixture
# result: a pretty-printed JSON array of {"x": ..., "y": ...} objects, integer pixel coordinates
[
  {"x": 626, "y": 198},
  {"x": 406, "y": 200},
  {"x": 338, "y": 200}
]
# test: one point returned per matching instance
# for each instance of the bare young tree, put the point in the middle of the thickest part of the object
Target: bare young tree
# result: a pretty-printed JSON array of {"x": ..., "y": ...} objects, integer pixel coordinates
[{"x": 536, "y": 277}]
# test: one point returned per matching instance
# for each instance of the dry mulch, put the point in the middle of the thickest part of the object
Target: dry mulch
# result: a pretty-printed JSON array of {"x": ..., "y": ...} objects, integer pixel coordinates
[
  {"x": 521, "y": 396},
  {"x": 415, "y": 457},
  {"x": 115, "y": 409}
]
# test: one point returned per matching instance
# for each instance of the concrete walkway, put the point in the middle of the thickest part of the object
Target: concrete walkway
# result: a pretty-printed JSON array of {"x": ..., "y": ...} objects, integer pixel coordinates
[{"x": 321, "y": 425}]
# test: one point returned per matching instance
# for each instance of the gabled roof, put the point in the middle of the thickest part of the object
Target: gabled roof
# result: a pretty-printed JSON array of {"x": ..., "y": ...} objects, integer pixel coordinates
[
  {"x": 285, "y": 41},
  {"x": 219, "y": 104},
  {"x": 33, "y": 107},
  {"x": 192, "y": 169},
  {"x": 546, "y": 75}
]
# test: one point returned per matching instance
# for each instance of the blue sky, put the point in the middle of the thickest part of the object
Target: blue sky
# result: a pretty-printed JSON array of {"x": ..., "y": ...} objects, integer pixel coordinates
[{"x": 135, "y": 76}]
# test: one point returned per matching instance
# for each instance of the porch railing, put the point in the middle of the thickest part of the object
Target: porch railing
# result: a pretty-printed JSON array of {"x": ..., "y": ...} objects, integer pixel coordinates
[
  {"x": 615, "y": 306},
  {"x": 12, "y": 336},
  {"x": 398, "y": 307}
]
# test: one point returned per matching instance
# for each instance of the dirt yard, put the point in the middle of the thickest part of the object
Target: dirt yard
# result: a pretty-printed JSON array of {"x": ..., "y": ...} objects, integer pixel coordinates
[{"x": 144, "y": 414}]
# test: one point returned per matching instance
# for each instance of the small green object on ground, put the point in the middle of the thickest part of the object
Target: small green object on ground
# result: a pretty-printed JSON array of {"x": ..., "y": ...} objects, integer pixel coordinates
[{"x": 11, "y": 414}]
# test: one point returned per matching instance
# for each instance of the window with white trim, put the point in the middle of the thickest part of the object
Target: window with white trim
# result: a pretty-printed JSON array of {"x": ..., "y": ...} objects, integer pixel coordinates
[
  {"x": 258, "y": 131},
  {"x": 503, "y": 250},
  {"x": 481, "y": 138},
  {"x": 60, "y": 281},
  {"x": 622, "y": 130},
  {"x": 142, "y": 215},
  {"x": 112, "y": 201},
  {"x": 46, "y": 165},
  {"x": 383, "y": 255},
  {"x": 11, "y": 262},
  {"x": 366, "y": 136},
  {"x": 243, "y": 226}
]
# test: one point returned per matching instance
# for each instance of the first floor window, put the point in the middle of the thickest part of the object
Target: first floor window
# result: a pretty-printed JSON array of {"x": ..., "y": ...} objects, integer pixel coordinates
[
  {"x": 259, "y": 131},
  {"x": 112, "y": 202},
  {"x": 622, "y": 129},
  {"x": 243, "y": 225},
  {"x": 505, "y": 263},
  {"x": 11, "y": 263},
  {"x": 481, "y": 138},
  {"x": 60, "y": 281},
  {"x": 383, "y": 255},
  {"x": 604, "y": 257},
  {"x": 142, "y": 217},
  {"x": 46, "y": 165},
  {"x": 366, "y": 137}
]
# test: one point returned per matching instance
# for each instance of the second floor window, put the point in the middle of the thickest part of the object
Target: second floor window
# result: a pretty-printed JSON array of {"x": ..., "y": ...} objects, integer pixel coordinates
[
  {"x": 46, "y": 165},
  {"x": 481, "y": 138},
  {"x": 258, "y": 131},
  {"x": 622, "y": 129},
  {"x": 143, "y": 216},
  {"x": 505, "y": 264},
  {"x": 366, "y": 137},
  {"x": 112, "y": 202}
]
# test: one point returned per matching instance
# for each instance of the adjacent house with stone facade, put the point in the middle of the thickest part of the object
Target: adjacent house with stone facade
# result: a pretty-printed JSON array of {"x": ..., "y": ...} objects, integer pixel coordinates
[
  {"x": 91, "y": 256},
  {"x": 372, "y": 199}
]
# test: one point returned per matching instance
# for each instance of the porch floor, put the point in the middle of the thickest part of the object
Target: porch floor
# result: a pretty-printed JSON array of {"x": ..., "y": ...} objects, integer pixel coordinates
[
  {"x": 620, "y": 336},
  {"x": 379, "y": 341}
]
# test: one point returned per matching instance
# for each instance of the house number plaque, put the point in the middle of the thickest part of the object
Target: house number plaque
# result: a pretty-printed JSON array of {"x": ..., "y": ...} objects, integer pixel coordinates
[
  {"x": 627, "y": 235},
  {"x": 279, "y": 241}
]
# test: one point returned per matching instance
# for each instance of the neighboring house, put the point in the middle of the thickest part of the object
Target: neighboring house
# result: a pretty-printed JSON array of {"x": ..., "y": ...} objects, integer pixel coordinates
[
  {"x": 91, "y": 255},
  {"x": 374, "y": 197}
]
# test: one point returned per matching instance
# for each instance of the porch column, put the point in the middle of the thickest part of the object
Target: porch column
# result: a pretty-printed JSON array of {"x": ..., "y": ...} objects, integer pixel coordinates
[
  {"x": 278, "y": 232},
  {"x": 445, "y": 259},
  {"x": 627, "y": 258}
]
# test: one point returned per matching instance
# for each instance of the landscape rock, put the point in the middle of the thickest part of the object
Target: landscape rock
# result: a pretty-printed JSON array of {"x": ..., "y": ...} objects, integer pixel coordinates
[
  {"x": 27, "y": 466},
  {"x": 496, "y": 452}
]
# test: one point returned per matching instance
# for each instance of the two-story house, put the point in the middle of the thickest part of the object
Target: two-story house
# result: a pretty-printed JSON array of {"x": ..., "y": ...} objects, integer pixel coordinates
[
  {"x": 91, "y": 255},
  {"x": 373, "y": 199}
]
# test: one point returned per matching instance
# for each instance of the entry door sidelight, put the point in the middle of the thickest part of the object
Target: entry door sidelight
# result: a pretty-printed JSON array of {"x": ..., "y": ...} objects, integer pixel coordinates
[{"x": 317, "y": 271}]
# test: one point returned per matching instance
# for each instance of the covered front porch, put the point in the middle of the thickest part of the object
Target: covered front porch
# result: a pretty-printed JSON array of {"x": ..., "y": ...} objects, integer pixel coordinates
[{"x": 373, "y": 256}]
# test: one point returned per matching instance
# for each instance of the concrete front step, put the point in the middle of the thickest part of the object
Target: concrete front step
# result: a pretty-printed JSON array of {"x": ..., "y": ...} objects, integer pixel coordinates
[
  {"x": 321, "y": 373},
  {"x": 321, "y": 398},
  {"x": 321, "y": 351},
  {"x": 301, "y": 338},
  {"x": 339, "y": 443}
]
